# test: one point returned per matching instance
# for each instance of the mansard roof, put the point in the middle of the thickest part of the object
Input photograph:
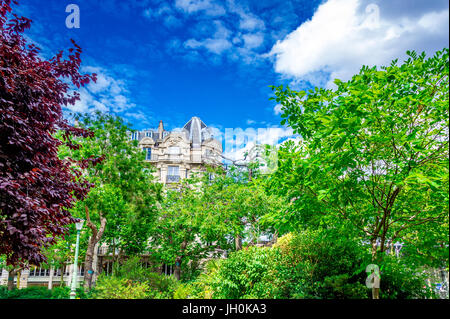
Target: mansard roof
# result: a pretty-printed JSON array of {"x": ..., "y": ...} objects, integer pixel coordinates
[{"x": 194, "y": 128}]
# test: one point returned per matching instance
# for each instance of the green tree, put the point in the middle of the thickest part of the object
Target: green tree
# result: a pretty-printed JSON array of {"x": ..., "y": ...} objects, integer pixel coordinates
[
  {"x": 121, "y": 207},
  {"x": 189, "y": 227},
  {"x": 374, "y": 155}
]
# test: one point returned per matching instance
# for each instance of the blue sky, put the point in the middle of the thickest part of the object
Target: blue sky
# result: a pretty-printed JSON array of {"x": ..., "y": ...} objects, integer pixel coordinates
[
  {"x": 171, "y": 60},
  {"x": 141, "y": 44}
]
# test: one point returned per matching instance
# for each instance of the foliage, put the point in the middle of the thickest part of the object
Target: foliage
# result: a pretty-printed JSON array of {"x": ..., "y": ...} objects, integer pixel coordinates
[
  {"x": 159, "y": 286},
  {"x": 112, "y": 287},
  {"x": 124, "y": 193},
  {"x": 374, "y": 155},
  {"x": 245, "y": 274},
  {"x": 302, "y": 265},
  {"x": 188, "y": 221},
  {"x": 37, "y": 189},
  {"x": 38, "y": 292},
  {"x": 121, "y": 208},
  {"x": 308, "y": 266},
  {"x": 400, "y": 281},
  {"x": 202, "y": 286}
]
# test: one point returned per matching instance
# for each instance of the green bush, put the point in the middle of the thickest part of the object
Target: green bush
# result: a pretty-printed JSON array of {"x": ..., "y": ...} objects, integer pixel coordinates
[
  {"x": 303, "y": 265},
  {"x": 36, "y": 292},
  {"x": 400, "y": 281},
  {"x": 202, "y": 286},
  {"x": 112, "y": 287},
  {"x": 244, "y": 274},
  {"x": 158, "y": 286},
  {"x": 3, "y": 292},
  {"x": 319, "y": 264}
]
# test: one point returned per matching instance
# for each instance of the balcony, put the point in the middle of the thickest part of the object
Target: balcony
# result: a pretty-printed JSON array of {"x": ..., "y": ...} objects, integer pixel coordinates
[
  {"x": 152, "y": 158},
  {"x": 172, "y": 178}
]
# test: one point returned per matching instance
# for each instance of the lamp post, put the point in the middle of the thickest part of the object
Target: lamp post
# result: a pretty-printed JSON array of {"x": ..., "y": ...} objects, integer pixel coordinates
[{"x": 78, "y": 226}]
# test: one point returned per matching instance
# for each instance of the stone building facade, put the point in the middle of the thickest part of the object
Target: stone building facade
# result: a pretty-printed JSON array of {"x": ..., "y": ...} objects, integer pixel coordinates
[{"x": 179, "y": 153}]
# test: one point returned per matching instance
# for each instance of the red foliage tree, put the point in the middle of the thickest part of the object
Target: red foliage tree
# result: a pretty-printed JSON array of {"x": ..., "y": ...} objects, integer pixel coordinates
[{"x": 36, "y": 187}]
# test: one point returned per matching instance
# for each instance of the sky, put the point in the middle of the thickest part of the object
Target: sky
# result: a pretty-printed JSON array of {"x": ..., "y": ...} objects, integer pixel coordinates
[{"x": 171, "y": 60}]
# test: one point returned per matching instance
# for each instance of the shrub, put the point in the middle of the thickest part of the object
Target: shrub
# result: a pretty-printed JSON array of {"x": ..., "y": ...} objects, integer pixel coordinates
[
  {"x": 400, "y": 281},
  {"x": 36, "y": 292},
  {"x": 159, "y": 286},
  {"x": 245, "y": 274},
  {"x": 112, "y": 287},
  {"x": 202, "y": 286},
  {"x": 319, "y": 264}
]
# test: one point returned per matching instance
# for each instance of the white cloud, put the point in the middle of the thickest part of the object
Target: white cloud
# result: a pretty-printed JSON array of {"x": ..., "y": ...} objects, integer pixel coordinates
[
  {"x": 277, "y": 109},
  {"x": 247, "y": 20},
  {"x": 343, "y": 35},
  {"x": 107, "y": 94},
  {"x": 217, "y": 44},
  {"x": 207, "y": 6},
  {"x": 164, "y": 12},
  {"x": 253, "y": 40}
]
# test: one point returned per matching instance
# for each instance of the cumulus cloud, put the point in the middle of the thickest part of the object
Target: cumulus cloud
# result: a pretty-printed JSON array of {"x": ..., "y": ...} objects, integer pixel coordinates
[
  {"x": 343, "y": 35},
  {"x": 108, "y": 94}
]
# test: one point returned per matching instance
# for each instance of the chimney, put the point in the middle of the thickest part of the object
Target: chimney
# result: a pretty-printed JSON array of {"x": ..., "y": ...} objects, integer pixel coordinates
[{"x": 160, "y": 129}]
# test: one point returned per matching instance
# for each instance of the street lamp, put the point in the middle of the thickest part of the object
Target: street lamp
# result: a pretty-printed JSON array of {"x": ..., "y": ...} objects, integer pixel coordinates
[{"x": 78, "y": 226}]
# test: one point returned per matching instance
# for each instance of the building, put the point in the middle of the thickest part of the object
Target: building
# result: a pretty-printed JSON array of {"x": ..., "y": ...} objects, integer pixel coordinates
[
  {"x": 175, "y": 155},
  {"x": 179, "y": 153}
]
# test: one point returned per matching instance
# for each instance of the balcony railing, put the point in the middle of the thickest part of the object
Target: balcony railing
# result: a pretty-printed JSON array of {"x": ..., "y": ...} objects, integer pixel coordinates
[
  {"x": 173, "y": 178},
  {"x": 153, "y": 158}
]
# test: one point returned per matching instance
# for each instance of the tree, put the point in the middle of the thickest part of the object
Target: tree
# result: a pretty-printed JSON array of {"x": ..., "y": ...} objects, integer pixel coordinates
[
  {"x": 374, "y": 154},
  {"x": 189, "y": 226},
  {"x": 244, "y": 205},
  {"x": 37, "y": 189},
  {"x": 121, "y": 207},
  {"x": 206, "y": 213}
]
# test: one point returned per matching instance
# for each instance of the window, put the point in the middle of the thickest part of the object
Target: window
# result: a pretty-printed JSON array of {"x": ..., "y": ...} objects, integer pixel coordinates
[
  {"x": 134, "y": 136},
  {"x": 148, "y": 153},
  {"x": 173, "y": 170},
  {"x": 32, "y": 272},
  {"x": 167, "y": 270}
]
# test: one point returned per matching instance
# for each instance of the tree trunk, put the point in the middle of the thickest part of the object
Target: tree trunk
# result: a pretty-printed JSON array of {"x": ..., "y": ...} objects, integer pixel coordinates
[
  {"x": 238, "y": 242},
  {"x": 11, "y": 275},
  {"x": 61, "y": 280},
  {"x": 178, "y": 260},
  {"x": 177, "y": 268},
  {"x": 95, "y": 266},
  {"x": 93, "y": 240},
  {"x": 375, "y": 291},
  {"x": 19, "y": 274},
  {"x": 50, "y": 279}
]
